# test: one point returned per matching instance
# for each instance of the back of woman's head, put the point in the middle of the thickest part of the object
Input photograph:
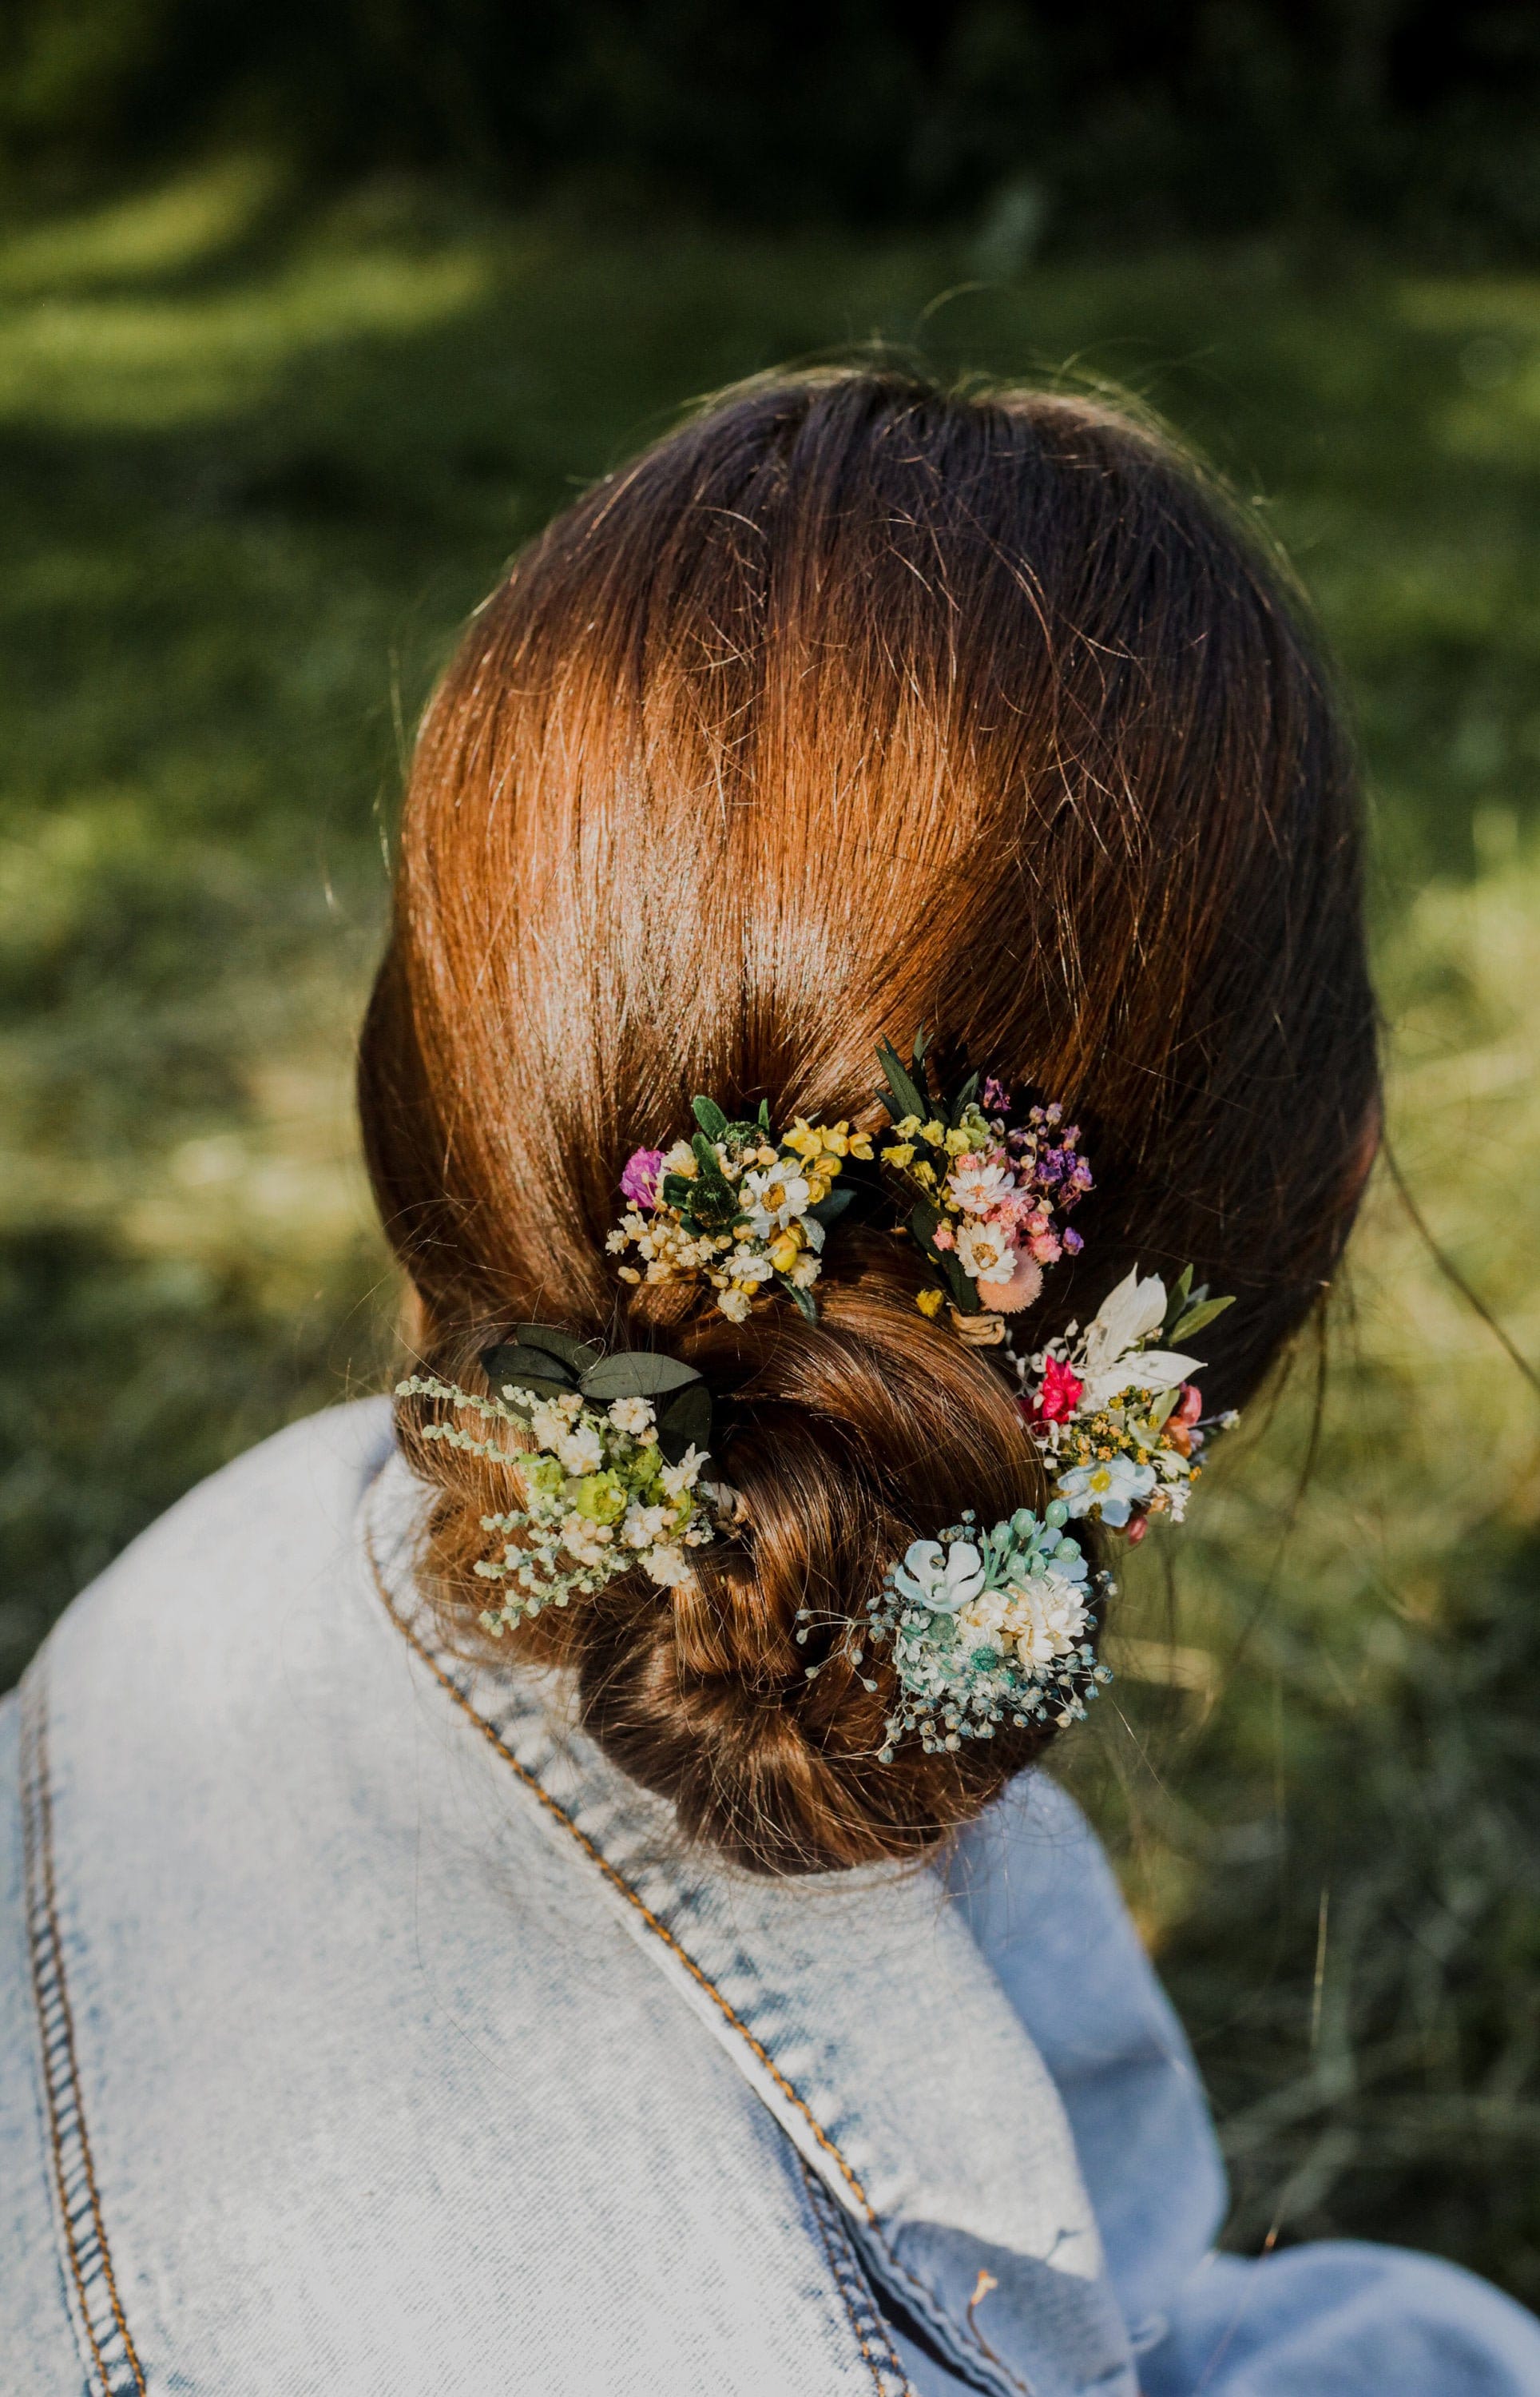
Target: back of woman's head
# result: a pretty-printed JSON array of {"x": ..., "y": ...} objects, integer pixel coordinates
[{"x": 856, "y": 706}]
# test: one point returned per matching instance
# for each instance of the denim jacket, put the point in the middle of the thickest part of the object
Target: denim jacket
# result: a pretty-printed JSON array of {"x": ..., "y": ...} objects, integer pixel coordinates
[{"x": 363, "y": 2029}]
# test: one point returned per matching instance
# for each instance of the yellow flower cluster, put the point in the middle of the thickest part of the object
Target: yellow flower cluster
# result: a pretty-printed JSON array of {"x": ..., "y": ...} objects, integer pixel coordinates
[
  {"x": 774, "y": 1236},
  {"x": 909, "y": 1133}
]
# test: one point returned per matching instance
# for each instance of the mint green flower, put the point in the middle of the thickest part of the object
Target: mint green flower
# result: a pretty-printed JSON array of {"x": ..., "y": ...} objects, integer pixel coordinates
[{"x": 600, "y": 1498}]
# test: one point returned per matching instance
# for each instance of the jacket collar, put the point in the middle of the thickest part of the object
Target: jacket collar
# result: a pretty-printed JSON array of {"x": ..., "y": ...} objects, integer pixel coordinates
[{"x": 855, "y": 2004}]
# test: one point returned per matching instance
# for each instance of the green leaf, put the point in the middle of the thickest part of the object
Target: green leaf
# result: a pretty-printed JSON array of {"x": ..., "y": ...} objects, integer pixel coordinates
[
  {"x": 685, "y": 1420},
  {"x": 1197, "y": 1317},
  {"x": 908, "y": 1099},
  {"x": 579, "y": 1355},
  {"x": 829, "y": 1210},
  {"x": 964, "y": 1293},
  {"x": 922, "y": 1220},
  {"x": 527, "y": 1369},
  {"x": 708, "y": 1116},
  {"x": 1176, "y": 1305},
  {"x": 800, "y": 1299},
  {"x": 678, "y": 1189},
  {"x": 709, "y": 1162},
  {"x": 964, "y": 1098},
  {"x": 764, "y": 1115},
  {"x": 635, "y": 1373}
]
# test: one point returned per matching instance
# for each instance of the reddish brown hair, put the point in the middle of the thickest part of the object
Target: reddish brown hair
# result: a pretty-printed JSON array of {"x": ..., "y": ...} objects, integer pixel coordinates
[{"x": 855, "y": 706}]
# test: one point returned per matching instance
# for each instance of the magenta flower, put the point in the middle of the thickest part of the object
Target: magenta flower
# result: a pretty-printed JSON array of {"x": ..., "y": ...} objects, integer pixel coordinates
[{"x": 639, "y": 1182}]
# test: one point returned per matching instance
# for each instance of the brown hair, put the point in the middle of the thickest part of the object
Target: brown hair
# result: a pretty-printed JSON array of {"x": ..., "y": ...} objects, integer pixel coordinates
[{"x": 853, "y": 705}]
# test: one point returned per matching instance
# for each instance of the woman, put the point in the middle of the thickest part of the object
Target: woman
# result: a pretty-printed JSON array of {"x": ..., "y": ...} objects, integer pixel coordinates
[{"x": 458, "y": 1937}]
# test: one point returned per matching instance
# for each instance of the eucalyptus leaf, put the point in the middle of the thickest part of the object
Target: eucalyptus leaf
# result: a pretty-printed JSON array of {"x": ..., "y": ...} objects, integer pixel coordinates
[
  {"x": 527, "y": 1369},
  {"x": 685, "y": 1422},
  {"x": 635, "y": 1373},
  {"x": 580, "y": 1355},
  {"x": 800, "y": 1299},
  {"x": 708, "y": 1116},
  {"x": 1197, "y": 1317}
]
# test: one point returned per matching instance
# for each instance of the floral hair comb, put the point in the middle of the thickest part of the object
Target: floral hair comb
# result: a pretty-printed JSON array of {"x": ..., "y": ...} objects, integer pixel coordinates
[
  {"x": 612, "y": 1476},
  {"x": 987, "y": 1186},
  {"x": 1115, "y": 1409},
  {"x": 739, "y": 1207},
  {"x": 988, "y": 1628}
]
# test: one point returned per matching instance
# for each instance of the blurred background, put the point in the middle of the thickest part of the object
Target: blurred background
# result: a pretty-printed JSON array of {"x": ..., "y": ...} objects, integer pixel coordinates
[{"x": 309, "y": 317}]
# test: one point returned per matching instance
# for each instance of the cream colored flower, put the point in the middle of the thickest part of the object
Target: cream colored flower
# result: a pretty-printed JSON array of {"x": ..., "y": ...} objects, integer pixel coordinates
[
  {"x": 634, "y": 1415},
  {"x": 976, "y": 1188},
  {"x": 584, "y": 1540},
  {"x": 581, "y": 1450},
  {"x": 677, "y": 1478},
  {"x": 667, "y": 1565},
  {"x": 734, "y": 1304},
  {"x": 984, "y": 1253},
  {"x": 1047, "y": 1619}
]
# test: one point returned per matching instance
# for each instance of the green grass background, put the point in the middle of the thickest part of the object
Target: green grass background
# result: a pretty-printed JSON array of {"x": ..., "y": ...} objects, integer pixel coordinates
[{"x": 258, "y": 460}]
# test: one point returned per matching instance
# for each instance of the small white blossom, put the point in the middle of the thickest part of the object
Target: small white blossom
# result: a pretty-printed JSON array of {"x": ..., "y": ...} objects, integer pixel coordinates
[
  {"x": 976, "y": 1188},
  {"x": 667, "y": 1565},
  {"x": 581, "y": 1450},
  {"x": 985, "y": 1254},
  {"x": 634, "y": 1415},
  {"x": 677, "y": 1478},
  {"x": 773, "y": 1199}
]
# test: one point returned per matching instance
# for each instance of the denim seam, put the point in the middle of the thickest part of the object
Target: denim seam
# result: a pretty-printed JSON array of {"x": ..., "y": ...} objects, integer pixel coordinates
[
  {"x": 88, "y": 2254},
  {"x": 887, "y": 2373},
  {"x": 962, "y": 2338},
  {"x": 619, "y": 1881}
]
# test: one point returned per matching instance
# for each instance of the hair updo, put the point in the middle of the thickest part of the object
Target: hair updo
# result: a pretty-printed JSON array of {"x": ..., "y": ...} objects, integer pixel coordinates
[{"x": 855, "y": 706}]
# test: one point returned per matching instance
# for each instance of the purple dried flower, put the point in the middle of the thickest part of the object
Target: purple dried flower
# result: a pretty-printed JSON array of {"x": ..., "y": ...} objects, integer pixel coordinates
[
  {"x": 1072, "y": 1241},
  {"x": 997, "y": 1098},
  {"x": 639, "y": 1182}
]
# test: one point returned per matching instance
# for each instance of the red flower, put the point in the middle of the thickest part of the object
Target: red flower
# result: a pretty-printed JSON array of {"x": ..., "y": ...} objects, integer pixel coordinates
[{"x": 1058, "y": 1395}]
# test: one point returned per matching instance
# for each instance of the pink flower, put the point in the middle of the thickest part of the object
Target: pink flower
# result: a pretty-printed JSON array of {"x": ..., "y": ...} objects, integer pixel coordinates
[
  {"x": 1189, "y": 1403},
  {"x": 1045, "y": 1248},
  {"x": 639, "y": 1182},
  {"x": 1058, "y": 1394},
  {"x": 1010, "y": 1298},
  {"x": 943, "y": 1237},
  {"x": 1137, "y": 1526}
]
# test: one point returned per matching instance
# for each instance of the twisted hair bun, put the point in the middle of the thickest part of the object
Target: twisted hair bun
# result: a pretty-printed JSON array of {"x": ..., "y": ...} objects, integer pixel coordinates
[{"x": 856, "y": 704}]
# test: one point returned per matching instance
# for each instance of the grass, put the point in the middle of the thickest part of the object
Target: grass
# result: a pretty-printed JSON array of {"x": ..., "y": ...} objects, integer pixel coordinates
[{"x": 258, "y": 462}]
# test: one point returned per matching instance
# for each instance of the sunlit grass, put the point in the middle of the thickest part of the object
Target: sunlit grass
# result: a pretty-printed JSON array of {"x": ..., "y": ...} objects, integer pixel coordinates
[{"x": 260, "y": 461}]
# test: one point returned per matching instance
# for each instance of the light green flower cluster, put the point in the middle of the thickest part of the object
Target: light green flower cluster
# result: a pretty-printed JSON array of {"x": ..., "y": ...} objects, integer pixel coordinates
[{"x": 600, "y": 1496}]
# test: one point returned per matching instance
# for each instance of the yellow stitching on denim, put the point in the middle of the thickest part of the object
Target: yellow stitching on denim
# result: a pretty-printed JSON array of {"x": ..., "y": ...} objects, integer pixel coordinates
[
  {"x": 39, "y": 1851},
  {"x": 619, "y": 1881},
  {"x": 875, "y": 2362}
]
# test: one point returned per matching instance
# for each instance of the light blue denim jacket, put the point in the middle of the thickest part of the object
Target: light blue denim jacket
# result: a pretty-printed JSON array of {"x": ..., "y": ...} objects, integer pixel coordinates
[{"x": 362, "y": 2031}]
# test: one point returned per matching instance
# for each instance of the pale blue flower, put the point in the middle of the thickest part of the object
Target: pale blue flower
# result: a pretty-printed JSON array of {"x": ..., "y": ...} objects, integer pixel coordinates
[{"x": 1110, "y": 1488}]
